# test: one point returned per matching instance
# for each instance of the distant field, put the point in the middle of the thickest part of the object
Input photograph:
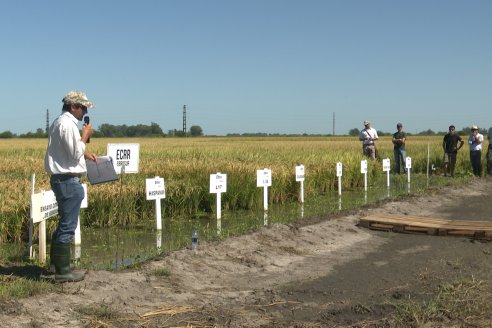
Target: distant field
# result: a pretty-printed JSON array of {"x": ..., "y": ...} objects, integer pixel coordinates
[{"x": 186, "y": 163}]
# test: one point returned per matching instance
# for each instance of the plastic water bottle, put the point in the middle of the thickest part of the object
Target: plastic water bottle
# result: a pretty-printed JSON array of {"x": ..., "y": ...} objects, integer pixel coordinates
[{"x": 194, "y": 240}]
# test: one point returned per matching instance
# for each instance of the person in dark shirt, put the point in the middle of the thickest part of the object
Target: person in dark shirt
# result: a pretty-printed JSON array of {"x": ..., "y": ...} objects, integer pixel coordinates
[
  {"x": 398, "y": 140},
  {"x": 451, "y": 143}
]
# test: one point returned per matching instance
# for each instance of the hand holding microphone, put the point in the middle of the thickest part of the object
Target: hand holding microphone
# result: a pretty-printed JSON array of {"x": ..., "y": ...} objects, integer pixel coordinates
[{"x": 86, "y": 122}]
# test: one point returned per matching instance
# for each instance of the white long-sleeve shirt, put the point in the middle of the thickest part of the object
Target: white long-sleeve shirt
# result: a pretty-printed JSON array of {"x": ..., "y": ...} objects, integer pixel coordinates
[
  {"x": 474, "y": 144},
  {"x": 65, "y": 153},
  {"x": 368, "y": 136}
]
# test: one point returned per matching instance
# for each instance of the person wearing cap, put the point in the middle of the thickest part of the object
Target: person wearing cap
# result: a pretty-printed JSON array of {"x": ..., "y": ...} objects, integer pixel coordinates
[
  {"x": 451, "y": 143},
  {"x": 368, "y": 136},
  {"x": 399, "y": 138},
  {"x": 475, "y": 141},
  {"x": 65, "y": 162}
]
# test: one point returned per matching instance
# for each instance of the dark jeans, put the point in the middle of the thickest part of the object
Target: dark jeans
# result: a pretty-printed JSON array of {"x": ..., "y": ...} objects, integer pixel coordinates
[
  {"x": 400, "y": 157},
  {"x": 69, "y": 195},
  {"x": 450, "y": 162},
  {"x": 476, "y": 162}
]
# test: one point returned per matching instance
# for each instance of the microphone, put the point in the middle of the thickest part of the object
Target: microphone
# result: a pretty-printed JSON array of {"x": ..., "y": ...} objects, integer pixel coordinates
[{"x": 86, "y": 121}]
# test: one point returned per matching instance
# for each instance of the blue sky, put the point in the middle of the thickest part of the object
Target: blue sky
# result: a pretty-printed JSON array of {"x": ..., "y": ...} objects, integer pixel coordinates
[{"x": 275, "y": 66}]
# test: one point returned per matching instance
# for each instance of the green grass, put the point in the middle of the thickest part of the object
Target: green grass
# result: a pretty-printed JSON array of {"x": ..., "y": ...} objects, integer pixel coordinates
[
  {"x": 465, "y": 302},
  {"x": 14, "y": 287}
]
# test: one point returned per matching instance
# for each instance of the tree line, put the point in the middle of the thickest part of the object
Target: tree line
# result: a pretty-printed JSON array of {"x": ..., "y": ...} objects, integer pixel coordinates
[
  {"x": 154, "y": 130},
  {"x": 117, "y": 131}
]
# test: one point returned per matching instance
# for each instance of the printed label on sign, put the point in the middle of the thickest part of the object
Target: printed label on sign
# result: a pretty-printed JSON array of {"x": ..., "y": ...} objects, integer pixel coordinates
[
  {"x": 155, "y": 188},
  {"x": 300, "y": 173},
  {"x": 386, "y": 164},
  {"x": 124, "y": 155},
  {"x": 363, "y": 166},
  {"x": 408, "y": 162},
  {"x": 45, "y": 206},
  {"x": 264, "y": 178},
  {"x": 339, "y": 169},
  {"x": 218, "y": 183}
]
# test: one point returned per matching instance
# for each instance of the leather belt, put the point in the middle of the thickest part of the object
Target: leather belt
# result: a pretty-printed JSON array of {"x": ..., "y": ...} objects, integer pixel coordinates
[{"x": 74, "y": 175}]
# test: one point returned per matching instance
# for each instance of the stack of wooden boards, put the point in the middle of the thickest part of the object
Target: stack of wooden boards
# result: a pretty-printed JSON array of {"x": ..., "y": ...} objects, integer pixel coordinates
[{"x": 425, "y": 225}]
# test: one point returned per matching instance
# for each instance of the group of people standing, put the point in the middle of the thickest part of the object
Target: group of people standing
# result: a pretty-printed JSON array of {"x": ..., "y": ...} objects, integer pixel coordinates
[
  {"x": 369, "y": 135},
  {"x": 452, "y": 142}
]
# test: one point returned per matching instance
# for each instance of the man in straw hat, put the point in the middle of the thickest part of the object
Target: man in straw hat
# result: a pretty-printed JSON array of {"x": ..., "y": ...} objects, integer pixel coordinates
[
  {"x": 65, "y": 162},
  {"x": 475, "y": 141}
]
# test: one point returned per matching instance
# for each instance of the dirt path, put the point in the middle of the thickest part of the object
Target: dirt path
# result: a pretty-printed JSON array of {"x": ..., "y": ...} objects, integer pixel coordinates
[{"x": 328, "y": 273}]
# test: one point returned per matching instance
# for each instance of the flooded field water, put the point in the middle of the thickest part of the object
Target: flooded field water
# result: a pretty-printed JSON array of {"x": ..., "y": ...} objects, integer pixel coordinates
[{"x": 114, "y": 248}]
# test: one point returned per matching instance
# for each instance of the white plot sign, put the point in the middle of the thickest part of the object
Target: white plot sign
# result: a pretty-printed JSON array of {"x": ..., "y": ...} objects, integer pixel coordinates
[
  {"x": 218, "y": 183},
  {"x": 387, "y": 168},
  {"x": 155, "y": 188},
  {"x": 339, "y": 175},
  {"x": 264, "y": 178},
  {"x": 408, "y": 162},
  {"x": 408, "y": 165},
  {"x": 363, "y": 166},
  {"x": 340, "y": 169},
  {"x": 363, "y": 170},
  {"x": 300, "y": 173},
  {"x": 386, "y": 165},
  {"x": 44, "y": 205},
  {"x": 124, "y": 155},
  {"x": 300, "y": 178}
]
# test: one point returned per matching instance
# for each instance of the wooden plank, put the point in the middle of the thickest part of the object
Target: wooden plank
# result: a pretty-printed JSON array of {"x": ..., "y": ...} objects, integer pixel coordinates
[{"x": 431, "y": 226}]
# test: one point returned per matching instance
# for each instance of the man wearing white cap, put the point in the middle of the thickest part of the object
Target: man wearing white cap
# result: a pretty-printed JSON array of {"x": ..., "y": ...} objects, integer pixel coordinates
[
  {"x": 65, "y": 162},
  {"x": 475, "y": 141},
  {"x": 368, "y": 136}
]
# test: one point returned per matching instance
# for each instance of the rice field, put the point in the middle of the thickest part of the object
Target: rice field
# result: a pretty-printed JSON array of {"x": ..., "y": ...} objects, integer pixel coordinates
[{"x": 186, "y": 164}]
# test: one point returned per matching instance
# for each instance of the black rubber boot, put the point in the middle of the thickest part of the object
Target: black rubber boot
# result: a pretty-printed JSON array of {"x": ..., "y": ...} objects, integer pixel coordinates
[{"x": 61, "y": 259}]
